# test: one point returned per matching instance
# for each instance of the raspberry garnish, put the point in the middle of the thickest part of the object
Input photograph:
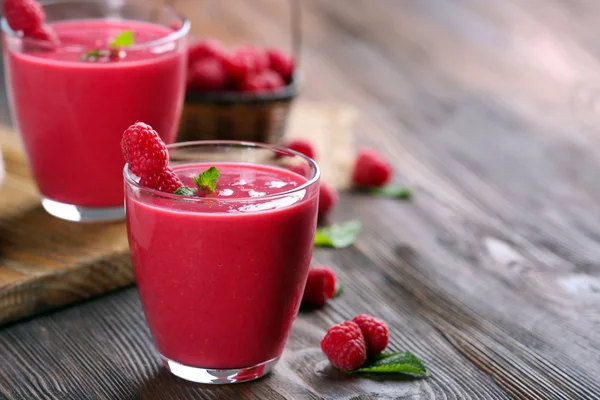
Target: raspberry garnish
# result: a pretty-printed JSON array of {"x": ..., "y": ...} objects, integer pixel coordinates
[
  {"x": 280, "y": 63},
  {"x": 301, "y": 146},
  {"x": 165, "y": 181},
  {"x": 375, "y": 332},
  {"x": 44, "y": 32},
  {"x": 344, "y": 346},
  {"x": 320, "y": 286},
  {"x": 23, "y": 15},
  {"x": 205, "y": 48},
  {"x": 328, "y": 198},
  {"x": 144, "y": 150},
  {"x": 370, "y": 169},
  {"x": 207, "y": 74}
]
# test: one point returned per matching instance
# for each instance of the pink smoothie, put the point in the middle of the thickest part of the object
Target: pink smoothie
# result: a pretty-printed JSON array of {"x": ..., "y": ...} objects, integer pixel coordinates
[
  {"x": 71, "y": 113},
  {"x": 221, "y": 280}
]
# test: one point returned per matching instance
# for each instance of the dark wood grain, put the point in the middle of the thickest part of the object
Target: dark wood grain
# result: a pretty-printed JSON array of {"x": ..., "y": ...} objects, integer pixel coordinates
[{"x": 491, "y": 273}]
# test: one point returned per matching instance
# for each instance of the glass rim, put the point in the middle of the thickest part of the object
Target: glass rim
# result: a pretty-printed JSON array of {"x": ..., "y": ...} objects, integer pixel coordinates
[
  {"x": 255, "y": 145},
  {"x": 171, "y": 37}
]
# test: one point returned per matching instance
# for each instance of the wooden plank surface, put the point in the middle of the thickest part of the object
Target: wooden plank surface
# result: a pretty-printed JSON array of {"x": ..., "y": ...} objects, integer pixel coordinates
[{"x": 489, "y": 110}]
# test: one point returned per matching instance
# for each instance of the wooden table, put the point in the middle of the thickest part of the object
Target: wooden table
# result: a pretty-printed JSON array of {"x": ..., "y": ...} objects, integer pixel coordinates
[{"x": 489, "y": 109}]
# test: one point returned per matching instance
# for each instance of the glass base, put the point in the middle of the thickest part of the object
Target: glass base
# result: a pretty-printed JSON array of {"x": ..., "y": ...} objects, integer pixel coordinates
[
  {"x": 71, "y": 212},
  {"x": 219, "y": 376}
]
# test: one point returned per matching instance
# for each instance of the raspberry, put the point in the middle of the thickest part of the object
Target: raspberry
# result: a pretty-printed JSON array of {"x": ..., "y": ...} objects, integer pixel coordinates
[
  {"x": 205, "y": 48},
  {"x": 272, "y": 80},
  {"x": 243, "y": 62},
  {"x": 370, "y": 169},
  {"x": 320, "y": 286},
  {"x": 328, "y": 198},
  {"x": 144, "y": 150},
  {"x": 344, "y": 346},
  {"x": 207, "y": 74},
  {"x": 44, "y": 32},
  {"x": 375, "y": 332},
  {"x": 301, "y": 146},
  {"x": 280, "y": 63},
  {"x": 165, "y": 181},
  {"x": 23, "y": 15},
  {"x": 254, "y": 83},
  {"x": 263, "y": 82}
]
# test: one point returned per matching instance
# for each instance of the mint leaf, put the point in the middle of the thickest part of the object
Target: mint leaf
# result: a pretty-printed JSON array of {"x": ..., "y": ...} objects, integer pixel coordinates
[
  {"x": 92, "y": 55},
  {"x": 207, "y": 180},
  {"x": 185, "y": 191},
  {"x": 123, "y": 39},
  {"x": 338, "y": 235},
  {"x": 400, "y": 363},
  {"x": 339, "y": 289},
  {"x": 394, "y": 191}
]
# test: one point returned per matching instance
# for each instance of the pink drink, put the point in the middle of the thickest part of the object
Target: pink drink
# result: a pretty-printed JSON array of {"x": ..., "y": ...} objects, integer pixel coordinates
[
  {"x": 221, "y": 279},
  {"x": 71, "y": 113}
]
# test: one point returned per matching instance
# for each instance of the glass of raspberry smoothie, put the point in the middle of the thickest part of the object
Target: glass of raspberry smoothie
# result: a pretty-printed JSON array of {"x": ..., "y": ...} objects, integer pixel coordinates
[
  {"x": 70, "y": 107},
  {"x": 221, "y": 276}
]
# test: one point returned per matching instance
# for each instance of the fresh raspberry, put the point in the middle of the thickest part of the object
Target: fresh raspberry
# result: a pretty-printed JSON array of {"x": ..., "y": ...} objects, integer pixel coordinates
[
  {"x": 301, "y": 146},
  {"x": 328, "y": 198},
  {"x": 370, "y": 169},
  {"x": 144, "y": 150},
  {"x": 205, "y": 48},
  {"x": 262, "y": 82},
  {"x": 23, "y": 15},
  {"x": 207, "y": 74},
  {"x": 243, "y": 62},
  {"x": 254, "y": 83},
  {"x": 165, "y": 181},
  {"x": 280, "y": 63},
  {"x": 44, "y": 32},
  {"x": 375, "y": 332},
  {"x": 272, "y": 80},
  {"x": 320, "y": 286},
  {"x": 344, "y": 346}
]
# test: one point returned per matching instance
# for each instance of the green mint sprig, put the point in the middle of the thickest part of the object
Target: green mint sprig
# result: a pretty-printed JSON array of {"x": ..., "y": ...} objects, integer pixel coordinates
[
  {"x": 123, "y": 39},
  {"x": 206, "y": 181},
  {"x": 404, "y": 363},
  {"x": 338, "y": 235},
  {"x": 185, "y": 191},
  {"x": 339, "y": 290},
  {"x": 392, "y": 190}
]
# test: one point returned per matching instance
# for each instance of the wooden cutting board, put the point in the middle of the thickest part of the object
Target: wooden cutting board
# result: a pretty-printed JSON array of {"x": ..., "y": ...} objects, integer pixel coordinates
[{"x": 46, "y": 263}]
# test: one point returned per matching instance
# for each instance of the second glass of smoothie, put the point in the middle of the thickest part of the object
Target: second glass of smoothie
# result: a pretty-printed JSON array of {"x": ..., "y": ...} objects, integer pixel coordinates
[
  {"x": 221, "y": 277},
  {"x": 70, "y": 111}
]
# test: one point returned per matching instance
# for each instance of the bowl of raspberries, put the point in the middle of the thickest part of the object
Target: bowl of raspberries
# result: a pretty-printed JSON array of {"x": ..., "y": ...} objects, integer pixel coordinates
[{"x": 240, "y": 93}]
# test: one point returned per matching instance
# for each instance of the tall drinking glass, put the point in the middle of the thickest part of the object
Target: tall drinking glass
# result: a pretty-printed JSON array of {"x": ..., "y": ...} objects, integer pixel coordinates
[
  {"x": 71, "y": 108},
  {"x": 221, "y": 276}
]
